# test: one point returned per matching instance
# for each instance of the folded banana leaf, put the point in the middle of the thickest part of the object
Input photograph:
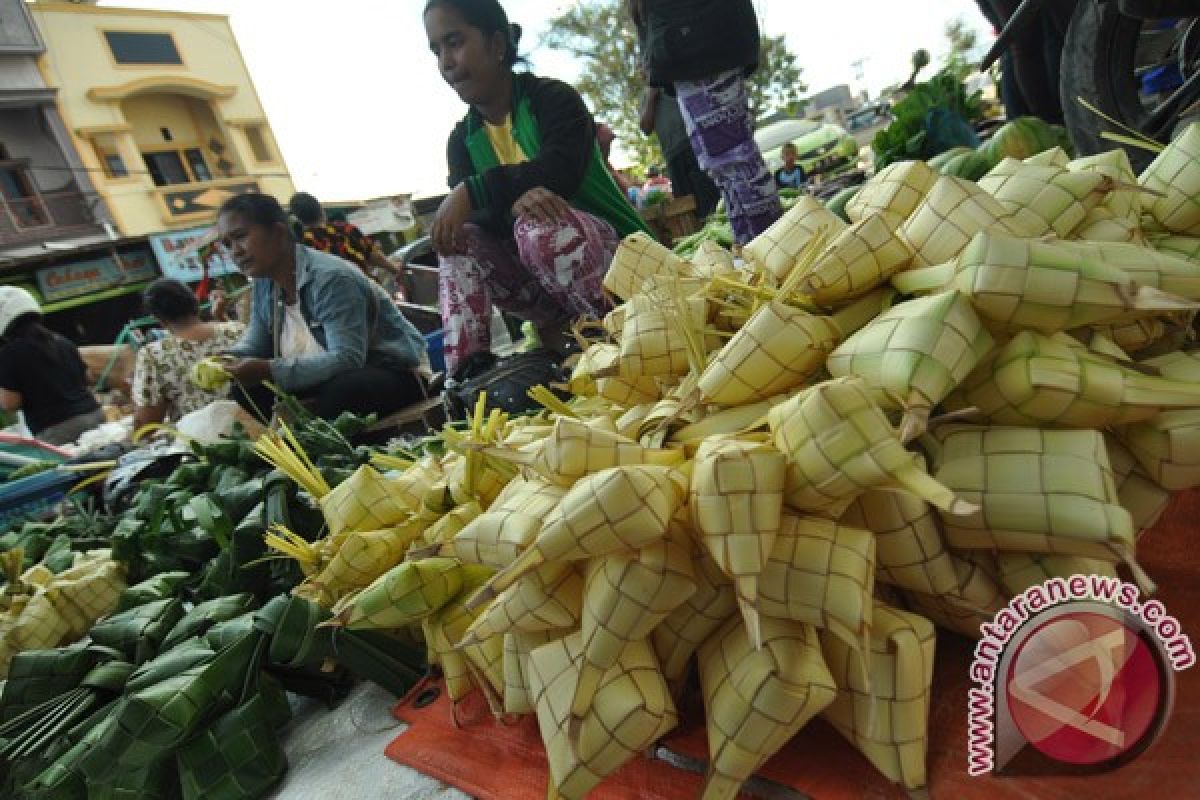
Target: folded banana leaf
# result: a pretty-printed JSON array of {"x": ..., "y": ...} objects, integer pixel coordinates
[
  {"x": 193, "y": 475},
  {"x": 240, "y": 566},
  {"x": 60, "y": 555},
  {"x": 202, "y": 617},
  {"x": 36, "y": 676},
  {"x": 160, "y": 587},
  {"x": 192, "y": 653},
  {"x": 159, "y": 781},
  {"x": 387, "y": 662},
  {"x": 239, "y": 757},
  {"x": 139, "y": 631},
  {"x": 225, "y": 633},
  {"x": 160, "y": 718}
]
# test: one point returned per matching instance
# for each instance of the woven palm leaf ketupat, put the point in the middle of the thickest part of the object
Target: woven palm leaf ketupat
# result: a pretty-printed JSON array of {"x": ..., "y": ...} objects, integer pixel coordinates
[
  {"x": 652, "y": 344},
  {"x": 736, "y": 503},
  {"x": 1124, "y": 202},
  {"x": 775, "y": 250},
  {"x": 951, "y": 215},
  {"x": 894, "y": 192},
  {"x": 860, "y": 258},
  {"x": 450, "y": 525},
  {"x": 1175, "y": 173},
  {"x": 839, "y": 444},
  {"x": 1048, "y": 197},
  {"x": 616, "y": 388},
  {"x": 361, "y": 558},
  {"x": 637, "y": 258},
  {"x": 626, "y": 595},
  {"x": 821, "y": 573},
  {"x": 1037, "y": 380},
  {"x": 445, "y": 628},
  {"x": 622, "y": 508},
  {"x": 1167, "y": 272},
  {"x": 498, "y": 535},
  {"x": 575, "y": 449},
  {"x": 910, "y": 552},
  {"x": 1186, "y": 246},
  {"x": 1021, "y": 284},
  {"x": 915, "y": 354},
  {"x": 548, "y": 598},
  {"x": 755, "y": 700},
  {"x": 778, "y": 349},
  {"x": 1167, "y": 446},
  {"x": 978, "y": 600},
  {"x": 632, "y": 710},
  {"x": 404, "y": 595},
  {"x": 1019, "y": 571},
  {"x": 885, "y": 714},
  {"x": 1054, "y": 157},
  {"x": 1039, "y": 491},
  {"x": 712, "y": 260},
  {"x": 1132, "y": 336},
  {"x": 1181, "y": 365},
  {"x": 1144, "y": 499},
  {"x": 676, "y": 639},
  {"x": 518, "y": 645},
  {"x": 366, "y": 501}
]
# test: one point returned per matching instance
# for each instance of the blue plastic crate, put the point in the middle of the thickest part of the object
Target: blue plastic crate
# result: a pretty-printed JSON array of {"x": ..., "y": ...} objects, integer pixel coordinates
[
  {"x": 30, "y": 496},
  {"x": 435, "y": 346}
]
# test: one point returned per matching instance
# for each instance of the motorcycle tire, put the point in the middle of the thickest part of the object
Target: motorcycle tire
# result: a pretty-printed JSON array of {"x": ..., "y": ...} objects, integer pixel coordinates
[{"x": 1098, "y": 66}]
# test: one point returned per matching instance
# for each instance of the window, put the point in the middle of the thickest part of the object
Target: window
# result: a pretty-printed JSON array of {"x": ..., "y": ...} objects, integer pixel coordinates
[
  {"x": 166, "y": 168},
  {"x": 114, "y": 165},
  {"x": 142, "y": 48},
  {"x": 20, "y": 195},
  {"x": 109, "y": 156},
  {"x": 257, "y": 138},
  {"x": 195, "y": 160},
  {"x": 169, "y": 167}
]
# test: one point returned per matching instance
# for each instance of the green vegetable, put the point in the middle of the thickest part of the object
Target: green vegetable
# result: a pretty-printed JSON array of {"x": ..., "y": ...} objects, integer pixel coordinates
[{"x": 928, "y": 121}]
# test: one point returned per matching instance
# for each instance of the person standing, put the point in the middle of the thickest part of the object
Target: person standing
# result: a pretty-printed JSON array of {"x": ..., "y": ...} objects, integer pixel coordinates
[
  {"x": 42, "y": 373},
  {"x": 660, "y": 115},
  {"x": 533, "y": 217},
  {"x": 790, "y": 175},
  {"x": 703, "y": 50}
]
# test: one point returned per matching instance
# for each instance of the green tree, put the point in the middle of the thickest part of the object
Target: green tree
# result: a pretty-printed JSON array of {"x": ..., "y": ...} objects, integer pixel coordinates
[
  {"x": 963, "y": 39},
  {"x": 603, "y": 39}
]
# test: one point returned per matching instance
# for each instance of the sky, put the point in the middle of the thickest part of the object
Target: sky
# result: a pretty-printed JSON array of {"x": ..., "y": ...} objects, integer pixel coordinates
[{"x": 359, "y": 109}]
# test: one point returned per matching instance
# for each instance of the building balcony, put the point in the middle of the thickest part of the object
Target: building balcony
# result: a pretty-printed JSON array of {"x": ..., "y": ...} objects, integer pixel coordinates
[
  {"x": 198, "y": 201},
  {"x": 47, "y": 216}
]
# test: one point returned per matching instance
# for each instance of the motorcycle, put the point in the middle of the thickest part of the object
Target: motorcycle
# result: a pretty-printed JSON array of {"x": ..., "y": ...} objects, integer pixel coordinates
[{"x": 1136, "y": 63}]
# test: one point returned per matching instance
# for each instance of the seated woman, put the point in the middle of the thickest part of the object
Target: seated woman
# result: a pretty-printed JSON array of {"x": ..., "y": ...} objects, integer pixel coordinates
[
  {"x": 534, "y": 216},
  {"x": 42, "y": 374},
  {"x": 162, "y": 385},
  {"x": 319, "y": 328}
]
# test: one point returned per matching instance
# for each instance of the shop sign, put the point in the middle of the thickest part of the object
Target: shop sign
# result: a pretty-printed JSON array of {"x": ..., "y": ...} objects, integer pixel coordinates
[
  {"x": 64, "y": 281},
  {"x": 181, "y": 254}
]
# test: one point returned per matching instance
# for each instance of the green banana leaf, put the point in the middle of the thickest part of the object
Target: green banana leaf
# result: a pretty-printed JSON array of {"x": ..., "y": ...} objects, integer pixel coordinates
[
  {"x": 139, "y": 631},
  {"x": 160, "y": 587},
  {"x": 239, "y": 757},
  {"x": 226, "y": 633},
  {"x": 202, "y": 617},
  {"x": 161, "y": 717},
  {"x": 36, "y": 676},
  {"x": 192, "y": 653}
]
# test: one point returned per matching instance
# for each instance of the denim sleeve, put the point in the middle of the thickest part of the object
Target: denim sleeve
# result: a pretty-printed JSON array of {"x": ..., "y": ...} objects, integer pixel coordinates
[
  {"x": 339, "y": 306},
  {"x": 256, "y": 341}
]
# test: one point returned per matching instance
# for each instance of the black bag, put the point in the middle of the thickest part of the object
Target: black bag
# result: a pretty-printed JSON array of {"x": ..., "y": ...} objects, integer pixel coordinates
[
  {"x": 507, "y": 384},
  {"x": 686, "y": 40}
]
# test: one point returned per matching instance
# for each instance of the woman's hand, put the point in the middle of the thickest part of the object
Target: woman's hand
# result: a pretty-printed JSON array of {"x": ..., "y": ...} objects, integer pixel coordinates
[
  {"x": 447, "y": 231},
  {"x": 249, "y": 371},
  {"x": 540, "y": 205}
]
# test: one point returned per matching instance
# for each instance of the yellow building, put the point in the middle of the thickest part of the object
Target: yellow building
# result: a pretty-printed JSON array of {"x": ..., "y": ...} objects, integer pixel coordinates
[{"x": 162, "y": 109}]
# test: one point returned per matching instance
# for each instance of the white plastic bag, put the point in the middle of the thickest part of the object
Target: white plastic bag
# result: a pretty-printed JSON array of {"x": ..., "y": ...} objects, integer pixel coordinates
[{"x": 207, "y": 425}]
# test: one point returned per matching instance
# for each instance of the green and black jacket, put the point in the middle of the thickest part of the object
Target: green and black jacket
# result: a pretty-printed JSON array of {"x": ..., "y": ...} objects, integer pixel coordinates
[{"x": 558, "y": 135}]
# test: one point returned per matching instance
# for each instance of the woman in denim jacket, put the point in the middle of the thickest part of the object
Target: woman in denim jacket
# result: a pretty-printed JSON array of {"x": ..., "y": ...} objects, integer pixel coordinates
[{"x": 318, "y": 327}]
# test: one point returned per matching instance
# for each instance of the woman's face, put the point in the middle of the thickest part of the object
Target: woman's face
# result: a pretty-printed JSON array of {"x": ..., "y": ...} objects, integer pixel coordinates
[
  {"x": 470, "y": 62},
  {"x": 256, "y": 249}
]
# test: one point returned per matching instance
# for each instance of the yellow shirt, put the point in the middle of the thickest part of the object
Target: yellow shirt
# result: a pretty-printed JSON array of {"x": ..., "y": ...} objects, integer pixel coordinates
[{"x": 508, "y": 150}]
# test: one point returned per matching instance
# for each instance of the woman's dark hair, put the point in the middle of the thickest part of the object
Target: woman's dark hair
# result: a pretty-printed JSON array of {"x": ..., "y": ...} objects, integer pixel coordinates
[
  {"x": 305, "y": 207},
  {"x": 170, "y": 301},
  {"x": 490, "y": 18},
  {"x": 258, "y": 209}
]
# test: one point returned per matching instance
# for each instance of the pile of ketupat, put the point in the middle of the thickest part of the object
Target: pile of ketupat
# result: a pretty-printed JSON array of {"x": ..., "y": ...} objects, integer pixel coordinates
[{"x": 789, "y": 472}]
